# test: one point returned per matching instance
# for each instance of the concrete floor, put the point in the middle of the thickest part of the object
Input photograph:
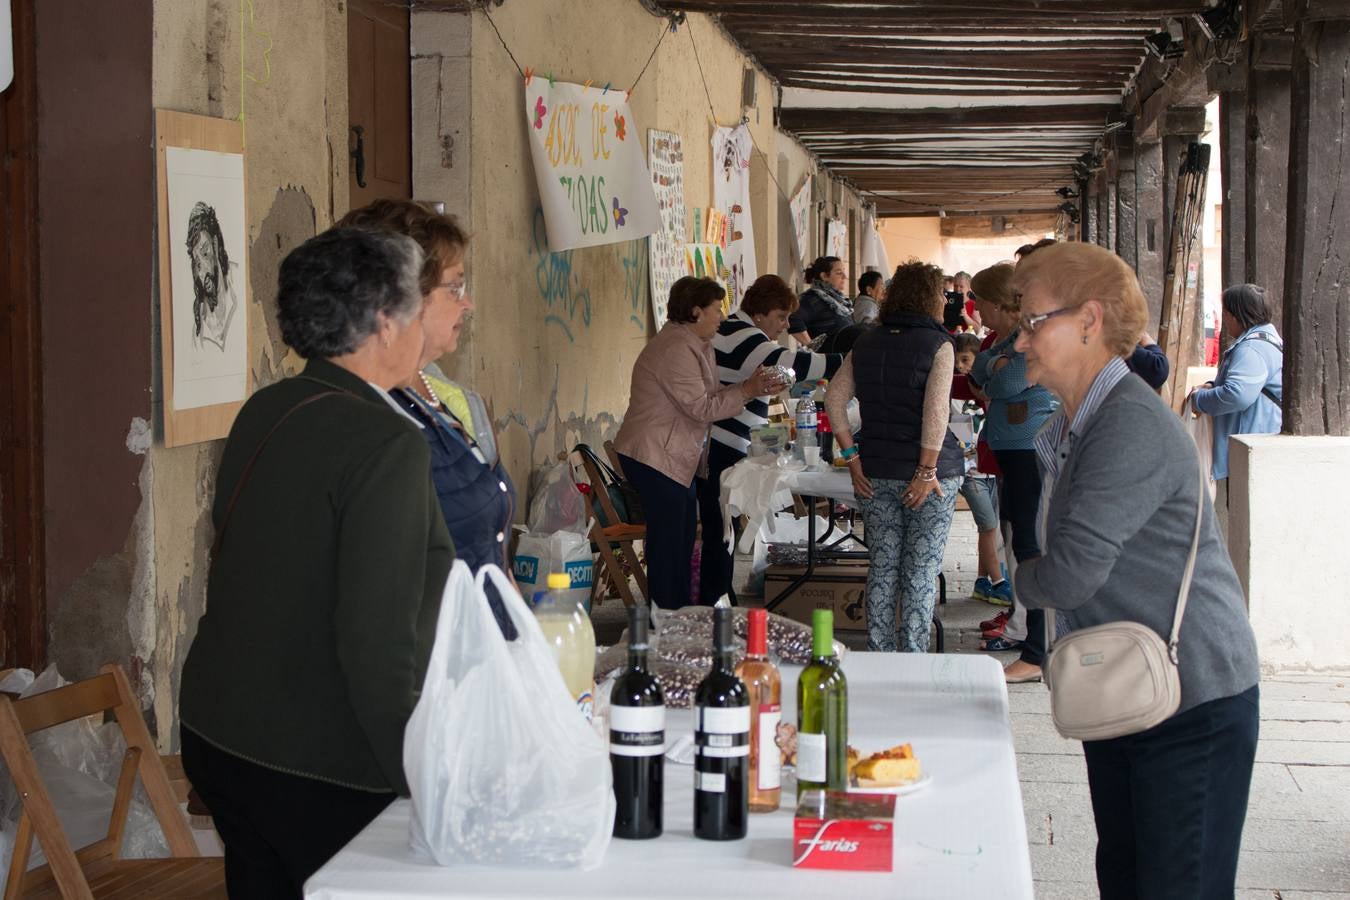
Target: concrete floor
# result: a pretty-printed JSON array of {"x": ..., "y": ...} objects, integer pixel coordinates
[{"x": 1296, "y": 843}]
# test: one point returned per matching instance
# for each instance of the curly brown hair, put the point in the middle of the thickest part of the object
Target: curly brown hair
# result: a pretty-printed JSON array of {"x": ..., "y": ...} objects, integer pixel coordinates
[
  {"x": 916, "y": 289},
  {"x": 440, "y": 237},
  {"x": 768, "y": 293}
]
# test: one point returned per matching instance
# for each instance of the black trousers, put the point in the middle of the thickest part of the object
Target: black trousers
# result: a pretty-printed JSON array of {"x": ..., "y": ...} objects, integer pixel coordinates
[
  {"x": 717, "y": 562},
  {"x": 1170, "y": 802},
  {"x": 278, "y": 829},
  {"x": 1019, "y": 503},
  {"x": 671, "y": 509}
]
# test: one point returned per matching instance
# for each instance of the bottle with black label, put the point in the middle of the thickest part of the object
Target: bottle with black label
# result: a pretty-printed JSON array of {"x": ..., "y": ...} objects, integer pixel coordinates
[
  {"x": 637, "y": 737},
  {"x": 721, "y": 744}
]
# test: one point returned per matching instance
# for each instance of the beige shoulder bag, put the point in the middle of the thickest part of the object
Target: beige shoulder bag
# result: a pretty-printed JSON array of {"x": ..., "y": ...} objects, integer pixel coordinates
[{"x": 1120, "y": 678}]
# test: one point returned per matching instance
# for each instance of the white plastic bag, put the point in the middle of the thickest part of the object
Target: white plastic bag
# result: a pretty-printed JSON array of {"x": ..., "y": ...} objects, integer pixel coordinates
[
  {"x": 1201, "y": 429},
  {"x": 562, "y": 551},
  {"x": 501, "y": 767},
  {"x": 558, "y": 505}
]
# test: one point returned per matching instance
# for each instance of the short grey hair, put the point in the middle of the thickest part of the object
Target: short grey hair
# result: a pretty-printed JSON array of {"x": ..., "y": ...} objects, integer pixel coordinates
[{"x": 332, "y": 288}]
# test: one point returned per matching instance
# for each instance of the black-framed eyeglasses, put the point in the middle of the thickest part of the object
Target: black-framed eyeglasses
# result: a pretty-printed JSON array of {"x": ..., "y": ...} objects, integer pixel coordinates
[{"x": 1029, "y": 324}]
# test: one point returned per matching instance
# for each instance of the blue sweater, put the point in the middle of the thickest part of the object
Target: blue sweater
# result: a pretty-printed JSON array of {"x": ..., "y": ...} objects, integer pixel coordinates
[
  {"x": 1016, "y": 410},
  {"x": 1236, "y": 401}
]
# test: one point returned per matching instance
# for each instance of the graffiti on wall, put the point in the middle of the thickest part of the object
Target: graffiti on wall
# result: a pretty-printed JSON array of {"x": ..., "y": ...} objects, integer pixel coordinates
[
  {"x": 566, "y": 301},
  {"x": 635, "y": 262}
]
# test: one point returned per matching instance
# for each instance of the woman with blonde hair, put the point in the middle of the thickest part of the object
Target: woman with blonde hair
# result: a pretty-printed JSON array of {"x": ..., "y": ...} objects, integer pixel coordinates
[{"x": 1119, "y": 503}]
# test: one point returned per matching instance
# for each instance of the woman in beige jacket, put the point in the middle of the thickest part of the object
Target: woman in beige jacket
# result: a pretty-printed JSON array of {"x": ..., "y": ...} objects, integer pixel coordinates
[{"x": 676, "y": 396}]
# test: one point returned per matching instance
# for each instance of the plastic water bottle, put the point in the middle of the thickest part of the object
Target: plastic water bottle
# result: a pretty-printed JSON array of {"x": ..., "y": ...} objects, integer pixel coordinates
[
  {"x": 806, "y": 426},
  {"x": 569, "y": 632}
]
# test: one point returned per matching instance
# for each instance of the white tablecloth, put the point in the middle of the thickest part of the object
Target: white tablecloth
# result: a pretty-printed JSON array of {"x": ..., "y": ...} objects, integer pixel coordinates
[
  {"x": 961, "y": 837},
  {"x": 756, "y": 488}
]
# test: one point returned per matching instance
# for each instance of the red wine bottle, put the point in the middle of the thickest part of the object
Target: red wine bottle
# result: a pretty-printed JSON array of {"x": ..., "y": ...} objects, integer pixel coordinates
[
  {"x": 721, "y": 744},
  {"x": 637, "y": 736}
]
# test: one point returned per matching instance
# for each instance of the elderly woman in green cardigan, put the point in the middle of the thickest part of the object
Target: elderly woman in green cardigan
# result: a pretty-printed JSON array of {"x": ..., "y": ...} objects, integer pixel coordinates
[{"x": 325, "y": 580}]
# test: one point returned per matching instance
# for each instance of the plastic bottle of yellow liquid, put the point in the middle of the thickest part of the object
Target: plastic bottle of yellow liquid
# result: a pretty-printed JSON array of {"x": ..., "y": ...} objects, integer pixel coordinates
[{"x": 567, "y": 628}]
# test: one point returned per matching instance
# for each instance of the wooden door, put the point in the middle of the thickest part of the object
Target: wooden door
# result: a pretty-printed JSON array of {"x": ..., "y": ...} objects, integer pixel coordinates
[
  {"x": 22, "y": 574},
  {"x": 379, "y": 101}
]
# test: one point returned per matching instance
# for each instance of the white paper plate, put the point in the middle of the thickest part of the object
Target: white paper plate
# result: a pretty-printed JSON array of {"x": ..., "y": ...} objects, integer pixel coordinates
[{"x": 899, "y": 790}]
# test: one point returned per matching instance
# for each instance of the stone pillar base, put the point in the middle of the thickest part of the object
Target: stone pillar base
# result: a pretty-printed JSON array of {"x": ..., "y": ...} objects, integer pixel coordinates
[{"x": 1288, "y": 503}]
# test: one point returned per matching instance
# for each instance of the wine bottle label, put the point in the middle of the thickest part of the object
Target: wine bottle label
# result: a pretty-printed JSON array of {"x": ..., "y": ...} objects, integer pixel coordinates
[
  {"x": 724, "y": 720},
  {"x": 722, "y": 731},
  {"x": 810, "y": 757},
  {"x": 637, "y": 730},
  {"x": 770, "y": 760},
  {"x": 710, "y": 782}
]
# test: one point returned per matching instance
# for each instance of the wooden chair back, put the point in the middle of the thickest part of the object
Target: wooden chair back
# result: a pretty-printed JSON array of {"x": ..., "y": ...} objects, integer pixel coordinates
[
  {"x": 620, "y": 535},
  {"x": 107, "y": 692}
]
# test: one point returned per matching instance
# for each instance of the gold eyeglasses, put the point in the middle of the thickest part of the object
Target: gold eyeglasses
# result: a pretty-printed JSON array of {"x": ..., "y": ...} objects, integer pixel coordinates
[
  {"x": 1029, "y": 324},
  {"x": 457, "y": 289}
]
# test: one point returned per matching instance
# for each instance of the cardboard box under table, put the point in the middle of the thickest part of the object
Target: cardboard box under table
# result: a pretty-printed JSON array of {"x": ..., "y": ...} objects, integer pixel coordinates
[{"x": 838, "y": 586}]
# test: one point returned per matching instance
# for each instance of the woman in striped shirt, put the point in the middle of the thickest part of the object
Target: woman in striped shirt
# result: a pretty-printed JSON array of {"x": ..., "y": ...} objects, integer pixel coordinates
[{"x": 744, "y": 343}]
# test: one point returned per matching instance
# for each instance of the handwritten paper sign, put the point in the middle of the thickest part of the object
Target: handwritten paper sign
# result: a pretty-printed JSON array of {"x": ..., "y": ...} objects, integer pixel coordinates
[
  {"x": 666, "y": 247},
  {"x": 801, "y": 221},
  {"x": 836, "y": 239},
  {"x": 593, "y": 181},
  {"x": 731, "y": 149}
]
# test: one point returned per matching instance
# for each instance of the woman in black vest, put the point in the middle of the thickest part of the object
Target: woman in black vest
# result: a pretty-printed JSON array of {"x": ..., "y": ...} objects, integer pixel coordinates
[{"x": 908, "y": 474}]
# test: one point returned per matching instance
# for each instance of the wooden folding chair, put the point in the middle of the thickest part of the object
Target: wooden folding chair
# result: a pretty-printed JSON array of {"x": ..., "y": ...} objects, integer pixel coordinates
[
  {"x": 619, "y": 535},
  {"x": 97, "y": 870}
]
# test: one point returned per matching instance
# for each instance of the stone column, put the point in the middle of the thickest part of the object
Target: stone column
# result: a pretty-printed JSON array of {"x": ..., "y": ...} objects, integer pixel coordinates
[
  {"x": 1126, "y": 236},
  {"x": 1150, "y": 227}
]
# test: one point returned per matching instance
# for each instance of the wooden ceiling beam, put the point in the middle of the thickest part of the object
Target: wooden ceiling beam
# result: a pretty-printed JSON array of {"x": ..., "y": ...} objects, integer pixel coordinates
[
  {"x": 828, "y": 85},
  {"x": 917, "y": 119}
]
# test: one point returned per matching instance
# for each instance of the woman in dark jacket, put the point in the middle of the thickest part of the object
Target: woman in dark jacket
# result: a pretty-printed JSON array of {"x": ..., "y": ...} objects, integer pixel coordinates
[
  {"x": 476, "y": 494},
  {"x": 823, "y": 309},
  {"x": 326, "y": 577},
  {"x": 1118, "y": 517},
  {"x": 910, "y": 467}
]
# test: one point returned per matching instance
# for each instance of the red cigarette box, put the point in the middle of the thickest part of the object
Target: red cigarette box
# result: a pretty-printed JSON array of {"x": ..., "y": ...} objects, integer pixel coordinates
[{"x": 844, "y": 831}]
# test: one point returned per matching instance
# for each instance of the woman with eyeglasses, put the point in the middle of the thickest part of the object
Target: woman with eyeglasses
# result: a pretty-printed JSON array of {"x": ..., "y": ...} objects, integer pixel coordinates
[
  {"x": 1122, "y": 485},
  {"x": 1017, "y": 410},
  {"x": 476, "y": 495}
]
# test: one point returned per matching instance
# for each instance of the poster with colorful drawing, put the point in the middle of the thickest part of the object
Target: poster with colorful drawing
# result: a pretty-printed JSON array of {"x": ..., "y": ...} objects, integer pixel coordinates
[
  {"x": 709, "y": 261},
  {"x": 665, "y": 249},
  {"x": 836, "y": 239},
  {"x": 800, "y": 206},
  {"x": 731, "y": 149},
  {"x": 594, "y": 186}
]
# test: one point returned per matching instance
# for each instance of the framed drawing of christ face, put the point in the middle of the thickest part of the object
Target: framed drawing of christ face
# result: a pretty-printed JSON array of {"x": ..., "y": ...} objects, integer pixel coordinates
[{"x": 204, "y": 299}]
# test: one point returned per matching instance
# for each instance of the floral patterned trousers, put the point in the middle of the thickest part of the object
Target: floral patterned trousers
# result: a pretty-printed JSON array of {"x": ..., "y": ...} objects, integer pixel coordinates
[{"x": 906, "y": 546}]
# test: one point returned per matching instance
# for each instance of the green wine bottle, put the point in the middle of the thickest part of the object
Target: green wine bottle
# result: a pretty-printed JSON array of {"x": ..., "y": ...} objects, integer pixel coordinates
[{"x": 822, "y": 713}]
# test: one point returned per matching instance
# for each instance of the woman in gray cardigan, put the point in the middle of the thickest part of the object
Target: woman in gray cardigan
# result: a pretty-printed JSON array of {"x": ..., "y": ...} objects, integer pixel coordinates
[{"x": 1117, "y": 519}]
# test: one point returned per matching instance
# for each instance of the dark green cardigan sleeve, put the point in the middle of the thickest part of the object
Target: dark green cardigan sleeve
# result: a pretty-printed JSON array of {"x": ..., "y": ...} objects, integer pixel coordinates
[{"x": 388, "y": 514}]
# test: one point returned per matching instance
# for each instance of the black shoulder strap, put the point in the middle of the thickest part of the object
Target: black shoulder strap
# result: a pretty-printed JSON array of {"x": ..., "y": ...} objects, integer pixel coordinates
[
  {"x": 248, "y": 467},
  {"x": 1278, "y": 345}
]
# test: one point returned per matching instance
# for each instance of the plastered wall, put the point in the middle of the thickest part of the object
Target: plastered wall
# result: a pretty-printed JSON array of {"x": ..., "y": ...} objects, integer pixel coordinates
[
  {"x": 284, "y": 66},
  {"x": 555, "y": 335}
]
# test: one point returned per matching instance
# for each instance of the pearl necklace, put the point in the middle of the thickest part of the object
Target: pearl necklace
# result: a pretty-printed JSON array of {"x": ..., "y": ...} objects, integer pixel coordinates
[{"x": 435, "y": 401}]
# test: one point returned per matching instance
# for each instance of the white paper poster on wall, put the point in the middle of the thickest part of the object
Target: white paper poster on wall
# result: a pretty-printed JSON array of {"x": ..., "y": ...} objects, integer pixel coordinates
[
  {"x": 731, "y": 149},
  {"x": 836, "y": 239},
  {"x": 207, "y": 239},
  {"x": 594, "y": 186},
  {"x": 665, "y": 156},
  {"x": 874, "y": 254},
  {"x": 800, "y": 205}
]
